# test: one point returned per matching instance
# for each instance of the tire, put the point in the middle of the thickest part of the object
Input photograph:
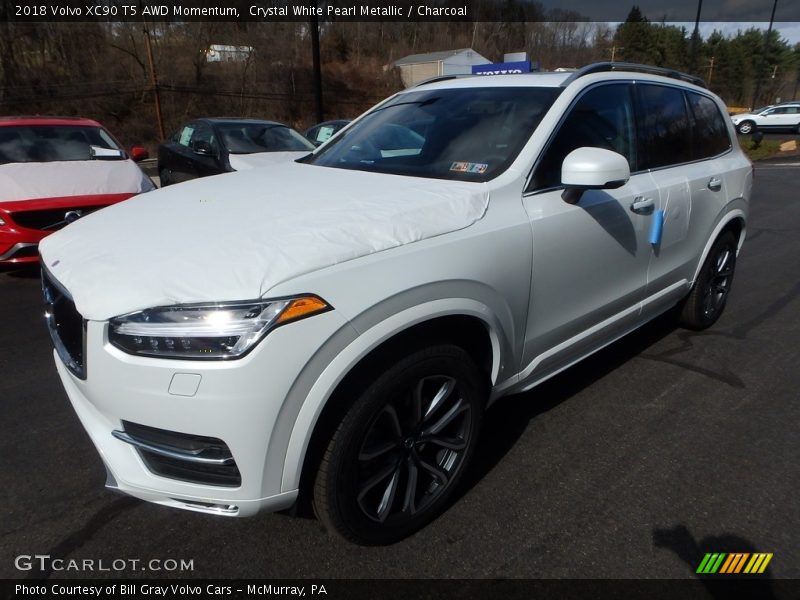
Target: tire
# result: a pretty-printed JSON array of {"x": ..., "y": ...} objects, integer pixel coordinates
[
  {"x": 706, "y": 301},
  {"x": 163, "y": 178},
  {"x": 402, "y": 448},
  {"x": 746, "y": 127}
]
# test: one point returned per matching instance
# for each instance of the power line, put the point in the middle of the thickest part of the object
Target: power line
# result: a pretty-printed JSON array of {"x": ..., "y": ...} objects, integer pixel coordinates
[{"x": 176, "y": 89}]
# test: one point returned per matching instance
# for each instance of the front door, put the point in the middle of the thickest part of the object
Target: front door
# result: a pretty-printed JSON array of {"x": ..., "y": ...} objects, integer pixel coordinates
[{"x": 590, "y": 258}]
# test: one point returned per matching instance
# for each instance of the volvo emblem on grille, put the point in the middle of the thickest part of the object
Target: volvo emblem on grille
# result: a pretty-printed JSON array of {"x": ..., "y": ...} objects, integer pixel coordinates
[{"x": 72, "y": 215}]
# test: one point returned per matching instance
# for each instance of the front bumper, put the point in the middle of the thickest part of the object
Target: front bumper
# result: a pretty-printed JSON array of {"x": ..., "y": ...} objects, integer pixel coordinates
[{"x": 240, "y": 402}]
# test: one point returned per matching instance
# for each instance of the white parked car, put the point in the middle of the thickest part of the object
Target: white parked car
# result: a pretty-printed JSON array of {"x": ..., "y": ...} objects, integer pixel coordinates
[
  {"x": 781, "y": 117},
  {"x": 337, "y": 326}
]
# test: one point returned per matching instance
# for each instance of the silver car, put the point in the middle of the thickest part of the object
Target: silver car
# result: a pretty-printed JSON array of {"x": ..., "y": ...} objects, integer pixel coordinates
[{"x": 335, "y": 327}]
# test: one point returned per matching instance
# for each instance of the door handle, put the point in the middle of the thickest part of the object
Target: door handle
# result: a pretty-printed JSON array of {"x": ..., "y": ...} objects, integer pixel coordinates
[
  {"x": 715, "y": 184},
  {"x": 641, "y": 204}
]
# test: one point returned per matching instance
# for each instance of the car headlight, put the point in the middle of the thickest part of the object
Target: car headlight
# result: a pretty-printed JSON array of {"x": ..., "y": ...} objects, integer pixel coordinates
[{"x": 207, "y": 331}]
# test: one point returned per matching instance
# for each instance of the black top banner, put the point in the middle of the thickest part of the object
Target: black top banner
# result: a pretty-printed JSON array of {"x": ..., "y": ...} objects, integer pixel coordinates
[{"x": 750, "y": 11}]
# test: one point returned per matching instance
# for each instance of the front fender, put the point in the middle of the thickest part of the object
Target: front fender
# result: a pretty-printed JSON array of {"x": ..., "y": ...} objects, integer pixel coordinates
[{"x": 305, "y": 420}]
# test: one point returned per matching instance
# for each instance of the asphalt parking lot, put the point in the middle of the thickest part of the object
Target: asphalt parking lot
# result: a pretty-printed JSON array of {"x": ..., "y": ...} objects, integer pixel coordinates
[{"x": 633, "y": 464}]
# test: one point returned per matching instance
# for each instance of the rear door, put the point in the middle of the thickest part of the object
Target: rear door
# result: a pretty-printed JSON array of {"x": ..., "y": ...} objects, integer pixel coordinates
[{"x": 683, "y": 140}]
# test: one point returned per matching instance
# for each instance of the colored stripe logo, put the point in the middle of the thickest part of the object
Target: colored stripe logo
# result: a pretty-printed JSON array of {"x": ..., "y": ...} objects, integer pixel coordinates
[{"x": 734, "y": 563}]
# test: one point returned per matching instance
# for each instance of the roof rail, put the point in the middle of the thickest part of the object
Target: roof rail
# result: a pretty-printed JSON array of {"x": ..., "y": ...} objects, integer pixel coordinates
[
  {"x": 443, "y": 78},
  {"x": 603, "y": 67}
]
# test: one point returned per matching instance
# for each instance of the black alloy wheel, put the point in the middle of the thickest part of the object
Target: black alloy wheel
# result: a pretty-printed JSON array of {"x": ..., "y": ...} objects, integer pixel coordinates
[
  {"x": 400, "y": 450},
  {"x": 706, "y": 302}
]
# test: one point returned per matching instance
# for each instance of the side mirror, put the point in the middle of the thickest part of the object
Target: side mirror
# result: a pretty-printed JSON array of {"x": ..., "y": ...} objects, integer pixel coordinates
[
  {"x": 202, "y": 148},
  {"x": 138, "y": 154},
  {"x": 592, "y": 169}
]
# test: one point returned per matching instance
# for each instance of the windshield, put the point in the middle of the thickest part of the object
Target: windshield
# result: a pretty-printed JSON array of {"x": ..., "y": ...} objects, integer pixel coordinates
[
  {"x": 468, "y": 134},
  {"x": 47, "y": 143},
  {"x": 248, "y": 138}
]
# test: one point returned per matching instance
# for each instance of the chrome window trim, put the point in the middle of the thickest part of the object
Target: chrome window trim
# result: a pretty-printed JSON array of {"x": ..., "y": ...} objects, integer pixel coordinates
[{"x": 527, "y": 193}]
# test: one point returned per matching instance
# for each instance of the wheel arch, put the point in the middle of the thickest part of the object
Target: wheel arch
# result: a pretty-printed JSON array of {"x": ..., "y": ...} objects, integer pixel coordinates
[
  {"x": 464, "y": 322},
  {"x": 733, "y": 221}
]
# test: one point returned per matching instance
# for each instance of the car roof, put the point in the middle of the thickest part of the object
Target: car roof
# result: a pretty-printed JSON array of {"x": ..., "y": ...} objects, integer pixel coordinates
[
  {"x": 508, "y": 80},
  {"x": 48, "y": 121},
  {"x": 238, "y": 120},
  {"x": 596, "y": 72}
]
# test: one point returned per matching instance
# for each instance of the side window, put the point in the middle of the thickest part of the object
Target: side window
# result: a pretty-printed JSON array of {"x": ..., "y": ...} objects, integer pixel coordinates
[
  {"x": 602, "y": 118},
  {"x": 184, "y": 135},
  {"x": 664, "y": 134},
  {"x": 710, "y": 135}
]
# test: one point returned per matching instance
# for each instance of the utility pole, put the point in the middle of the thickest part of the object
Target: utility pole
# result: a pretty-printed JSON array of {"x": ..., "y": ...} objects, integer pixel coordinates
[
  {"x": 710, "y": 71},
  {"x": 696, "y": 38},
  {"x": 757, "y": 92},
  {"x": 613, "y": 52},
  {"x": 317, "y": 70},
  {"x": 154, "y": 83}
]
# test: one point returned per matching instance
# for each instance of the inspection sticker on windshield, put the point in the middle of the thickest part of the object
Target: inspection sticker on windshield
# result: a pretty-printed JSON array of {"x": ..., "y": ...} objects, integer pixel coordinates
[{"x": 468, "y": 167}]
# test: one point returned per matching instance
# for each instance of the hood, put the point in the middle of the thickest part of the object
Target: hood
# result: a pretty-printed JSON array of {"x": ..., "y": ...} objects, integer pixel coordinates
[
  {"x": 236, "y": 236},
  {"x": 33, "y": 180},
  {"x": 242, "y": 162}
]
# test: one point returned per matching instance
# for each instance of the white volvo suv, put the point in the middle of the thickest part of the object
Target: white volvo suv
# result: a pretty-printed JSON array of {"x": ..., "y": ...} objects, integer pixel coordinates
[{"x": 336, "y": 326}]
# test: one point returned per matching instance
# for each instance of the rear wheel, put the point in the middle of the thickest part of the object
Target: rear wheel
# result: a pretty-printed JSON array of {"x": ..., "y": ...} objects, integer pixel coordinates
[
  {"x": 164, "y": 178},
  {"x": 705, "y": 303},
  {"x": 401, "y": 449}
]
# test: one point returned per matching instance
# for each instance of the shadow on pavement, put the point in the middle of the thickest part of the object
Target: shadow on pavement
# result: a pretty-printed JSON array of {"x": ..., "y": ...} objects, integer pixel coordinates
[{"x": 506, "y": 420}]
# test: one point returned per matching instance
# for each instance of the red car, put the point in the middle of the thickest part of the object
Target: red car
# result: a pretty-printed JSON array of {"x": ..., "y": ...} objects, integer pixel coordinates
[{"x": 54, "y": 171}]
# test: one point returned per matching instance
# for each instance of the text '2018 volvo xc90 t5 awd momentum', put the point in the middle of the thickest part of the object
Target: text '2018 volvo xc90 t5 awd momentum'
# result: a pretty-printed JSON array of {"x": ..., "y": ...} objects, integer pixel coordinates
[{"x": 229, "y": 345}]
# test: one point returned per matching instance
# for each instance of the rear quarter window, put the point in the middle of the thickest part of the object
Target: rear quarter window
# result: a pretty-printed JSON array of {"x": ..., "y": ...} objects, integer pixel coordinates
[{"x": 709, "y": 132}]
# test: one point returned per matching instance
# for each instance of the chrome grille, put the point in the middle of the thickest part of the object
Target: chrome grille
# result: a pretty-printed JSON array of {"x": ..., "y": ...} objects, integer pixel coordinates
[
  {"x": 66, "y": 326},
  {"x": 51, "y": 219}
]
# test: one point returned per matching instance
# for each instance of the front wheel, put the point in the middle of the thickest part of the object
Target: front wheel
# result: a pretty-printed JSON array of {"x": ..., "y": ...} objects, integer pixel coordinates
[
  {"x": 705, "y": 303},
  {"x": 746, "y": 127},
  {"x": 401, "y": 449}
]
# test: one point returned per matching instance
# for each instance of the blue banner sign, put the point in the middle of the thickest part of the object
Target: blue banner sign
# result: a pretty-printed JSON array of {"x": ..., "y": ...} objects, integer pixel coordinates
[{"x": 523, "y": 66}]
